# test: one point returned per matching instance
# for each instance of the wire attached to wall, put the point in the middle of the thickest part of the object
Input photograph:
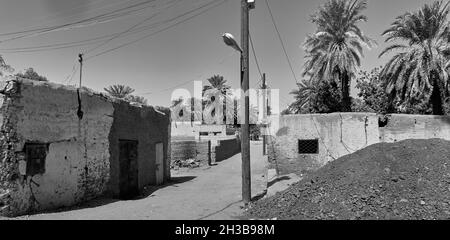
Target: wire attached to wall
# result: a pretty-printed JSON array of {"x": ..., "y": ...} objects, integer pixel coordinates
[
  {"x": 321, "y": 139},
  {"x": 342, "y": 140}
]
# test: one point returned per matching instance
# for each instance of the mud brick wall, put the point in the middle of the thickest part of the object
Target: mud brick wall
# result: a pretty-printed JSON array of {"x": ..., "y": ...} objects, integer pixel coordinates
[
  {"x": 77, "y": 162},
  {"x": 184, "y": 150},
  {"x": 148, "y": 127},
  {"x": 80, "y": 151}
]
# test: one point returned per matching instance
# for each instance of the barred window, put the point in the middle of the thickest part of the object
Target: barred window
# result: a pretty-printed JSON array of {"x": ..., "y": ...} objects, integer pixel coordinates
[{"x": 308, "y": 146}]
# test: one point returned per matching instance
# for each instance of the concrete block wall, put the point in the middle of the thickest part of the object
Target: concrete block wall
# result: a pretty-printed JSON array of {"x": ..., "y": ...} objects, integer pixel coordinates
[
  {"x": 79, "y": 164},
  {"x": 340, "y": 134},
  {"x": 399, "y": 127}
]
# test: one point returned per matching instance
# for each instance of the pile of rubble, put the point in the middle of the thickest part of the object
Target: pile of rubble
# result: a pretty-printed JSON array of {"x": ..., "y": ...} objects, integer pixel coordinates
[
  {"x": 189, "y": 163},
  {"x": 404, "y": 180}
]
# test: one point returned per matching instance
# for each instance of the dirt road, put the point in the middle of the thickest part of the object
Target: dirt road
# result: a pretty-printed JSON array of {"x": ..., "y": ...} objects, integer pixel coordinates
[{"x": 209, "y": 193}]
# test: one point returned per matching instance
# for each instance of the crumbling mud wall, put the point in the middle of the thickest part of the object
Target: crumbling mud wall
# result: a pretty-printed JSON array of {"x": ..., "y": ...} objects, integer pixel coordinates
[
  {"x": 77, "y": 158},
  {"x": 147, "y": 126},
  {"x": 78, "y": 154}
]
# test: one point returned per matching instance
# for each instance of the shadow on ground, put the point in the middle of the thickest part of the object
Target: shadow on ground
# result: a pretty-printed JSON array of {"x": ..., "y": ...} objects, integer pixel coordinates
[
  {"x": 278, "y": 180},
  {"x": 147, "y": 192}
]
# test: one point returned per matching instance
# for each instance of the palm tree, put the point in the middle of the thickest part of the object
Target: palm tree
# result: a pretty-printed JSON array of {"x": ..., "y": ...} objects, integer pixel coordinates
[
  {"x": 217, "y": 87},
  {"x": 303, "y": 96},
  {"x": 335, "y": 50},
  {"x": 119, "y": 91},
  {"x": 316, "y": 97},
  {"x": 191, "y": 104},
  {"x": 217, "y": 83},
  {"x": 176, "y": 102},
  {"x": 4, "y": 66},
  {"x": 418, "y": 69}
]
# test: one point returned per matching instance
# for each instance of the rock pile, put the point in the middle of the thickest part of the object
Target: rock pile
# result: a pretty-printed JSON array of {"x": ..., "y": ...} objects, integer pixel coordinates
[{"x": 404, "y": 180}]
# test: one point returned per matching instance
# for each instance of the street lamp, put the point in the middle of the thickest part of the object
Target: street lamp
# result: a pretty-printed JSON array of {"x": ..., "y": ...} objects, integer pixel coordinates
[{"x": 229, "y": 40}]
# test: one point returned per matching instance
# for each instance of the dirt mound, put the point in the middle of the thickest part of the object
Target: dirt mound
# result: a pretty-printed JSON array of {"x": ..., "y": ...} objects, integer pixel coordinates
[{"x": 404, "y": 180}]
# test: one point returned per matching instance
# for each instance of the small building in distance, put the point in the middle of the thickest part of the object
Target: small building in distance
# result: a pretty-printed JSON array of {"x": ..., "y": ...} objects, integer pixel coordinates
[{"x": 61, "y": 146}]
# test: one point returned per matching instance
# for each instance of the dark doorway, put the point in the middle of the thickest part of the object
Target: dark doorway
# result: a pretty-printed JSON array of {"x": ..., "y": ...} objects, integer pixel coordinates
[{"x": 129, "y": 187}]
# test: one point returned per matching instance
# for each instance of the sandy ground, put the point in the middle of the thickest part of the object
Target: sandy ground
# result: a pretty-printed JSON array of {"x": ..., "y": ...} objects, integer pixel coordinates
[{"x": 207, "y": 193}]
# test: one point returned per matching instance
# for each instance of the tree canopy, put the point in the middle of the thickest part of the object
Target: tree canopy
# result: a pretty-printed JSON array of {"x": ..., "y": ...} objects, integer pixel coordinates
[
  {"x": 32, "y": 75},
  {"x": 335, "y": 50},
  {"x": 421, "y": 44}
]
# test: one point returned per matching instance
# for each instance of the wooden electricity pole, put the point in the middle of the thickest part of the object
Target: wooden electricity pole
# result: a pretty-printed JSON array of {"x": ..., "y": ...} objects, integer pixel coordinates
[
  {"x": 245, "y": 128},
  {"x": 80, "y": 60},
  {"x": 80, "y": 112},
  {"x": 264, "y": 97}
]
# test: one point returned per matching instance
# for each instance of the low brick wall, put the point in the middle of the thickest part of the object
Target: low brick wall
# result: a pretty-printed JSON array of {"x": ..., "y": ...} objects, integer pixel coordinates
[{"x": 206, "y": 152}]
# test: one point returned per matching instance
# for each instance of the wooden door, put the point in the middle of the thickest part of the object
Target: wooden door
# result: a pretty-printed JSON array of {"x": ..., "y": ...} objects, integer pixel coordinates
[{"x": 128, "y": 160}]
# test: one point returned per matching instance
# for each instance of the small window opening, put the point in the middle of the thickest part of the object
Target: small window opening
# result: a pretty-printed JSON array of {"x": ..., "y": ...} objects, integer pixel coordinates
[
  {"x": 309, "y": 146},
  {"x": 35, "y": 154}
]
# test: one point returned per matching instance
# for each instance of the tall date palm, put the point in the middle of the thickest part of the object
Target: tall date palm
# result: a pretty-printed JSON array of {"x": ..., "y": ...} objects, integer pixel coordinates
[
  {"x": 303, "y": 96},
  {"x": 418, "y": 68},
  {"x": 334, "y": 51},
  {"x": 119, "y": 91},
  {"x": 4, "y": 67}
]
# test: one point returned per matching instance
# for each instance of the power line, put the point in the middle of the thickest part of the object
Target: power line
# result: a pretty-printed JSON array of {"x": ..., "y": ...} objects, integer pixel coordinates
[
  {"x": 67, "y": 13},
  {"x": 281, "y": 40},
  {"x": 88, "y": 41},
  {"x": 80, "y": 21},
  {"x": 69, "y": 78},
  {"x": 102, "y": 18},
  {"x": 62, "y": 45},
  {"x": 256, "y": 59},
  {"x": 186, "y": 82},
  {"x": 73, "y": 43},
  {"x": 166, "y": 28},
  {"x": 90, "y": 7},
  {"x": 172, "y": 3}
]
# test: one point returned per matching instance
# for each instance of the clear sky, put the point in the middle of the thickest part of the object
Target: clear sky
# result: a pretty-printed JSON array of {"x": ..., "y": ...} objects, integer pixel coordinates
[{"x": 189, "y": 51}]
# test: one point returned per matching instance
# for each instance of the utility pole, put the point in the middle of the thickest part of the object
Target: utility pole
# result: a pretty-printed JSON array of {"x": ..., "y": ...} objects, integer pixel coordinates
[
  {"x": 80, "y": 112},
  {"x": 264, "y": 97},
  {"x": 246, "y": 5},
  {"x": 80, "y": 59}
]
